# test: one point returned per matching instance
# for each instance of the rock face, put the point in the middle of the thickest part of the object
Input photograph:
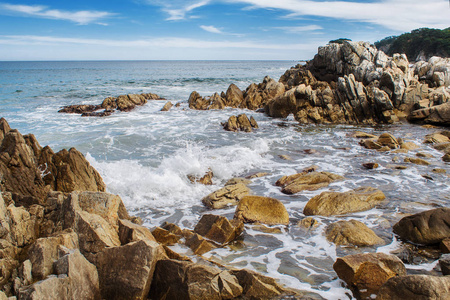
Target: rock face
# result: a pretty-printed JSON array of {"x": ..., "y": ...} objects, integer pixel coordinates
[
  {"x": 309, "y": 181},
  {"x": 366, "y": 273},
  {"x": 352, "y": 233},
  {"x": 110, "y": 104},
  {"x": 32, "y": 171},
  {"x": 416, "y": 287},
  {"x": 265, "y": 210},
  {"x": 334, "y": 203},
  {"x": 228, "y": 195},
  {"x": 428, "y": 227}
]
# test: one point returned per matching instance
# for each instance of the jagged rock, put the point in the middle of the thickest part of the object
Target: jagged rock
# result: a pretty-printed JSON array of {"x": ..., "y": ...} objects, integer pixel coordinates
[
  {"x": 428, "y": 227},
  {"x": 366, "y": 273},
  {"x": 84, "y": 281},
  {"x": 130, "y": 232},
  {"x": 335, "y": 203},
  {"x": 219, "y": 229},
  {"x": 126, "y": 272},
  {"x": 265, "y": 210},
  {"x": 352, "y": 233},
  {"x": 228, "y": 195},
  {"x": 53, "y": 287},
  {"x": 309, "y": 181},
  {"x": 186, "y": 280},
  {"x": 167, "y": 106},
  {"x": 415, "y": 287},
  {"x": 44, "y": 252}
]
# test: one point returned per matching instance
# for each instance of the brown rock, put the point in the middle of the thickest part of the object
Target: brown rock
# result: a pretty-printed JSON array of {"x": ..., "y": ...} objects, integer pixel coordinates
[
  {"x": 228, "y": 195},
  {"x": 126, "y": 272},
  {"x": 186, "y": 280},
  {"x": 167, "y": 106},
  {"x": 130, "y": 232},
  {"x": 84, "y": 281},
  {"x": 428, "y": 227},
  {"x": 309, "y": 181},
  {"x": 416, "y": 287},
  {"x": 417, "y": 161},
  {"x": 219, "y": 229},
  {"x": 370, "y": 166},
  {"x": 352, "y": 233},
  {"x": 261, "y": 209},
  {"x": 366, "y": 273},
  {"x": 334, "y": 203}
]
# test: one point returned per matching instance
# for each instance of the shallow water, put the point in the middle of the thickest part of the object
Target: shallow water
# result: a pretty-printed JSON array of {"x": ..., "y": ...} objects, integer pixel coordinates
[{"x": 145, "y": 156}]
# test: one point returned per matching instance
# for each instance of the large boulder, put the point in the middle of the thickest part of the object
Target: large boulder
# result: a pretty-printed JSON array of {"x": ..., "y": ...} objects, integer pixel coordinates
[
  {"x": 428, "y": 227},
  {"x": 352, "y": 233},
  {"x": 335, "y": 203},
  {"x": 416, "y": 287},
  {"x": 228, "y": 195},
  {"x": 185, "y": 280},
  {"x": 219, "y": 229},
  {"x": 126, "y": 272},
  {"x": 265, "y": 210},
  {"x": 366, "y": 273}
]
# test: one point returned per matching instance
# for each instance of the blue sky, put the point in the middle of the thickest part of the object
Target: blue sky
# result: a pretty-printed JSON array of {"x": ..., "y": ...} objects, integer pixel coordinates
[{"x": 202, "y": 29}]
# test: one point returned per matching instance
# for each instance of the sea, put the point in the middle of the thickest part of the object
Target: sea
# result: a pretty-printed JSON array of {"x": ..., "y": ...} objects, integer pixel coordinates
[{"x": 145, "y": 157}]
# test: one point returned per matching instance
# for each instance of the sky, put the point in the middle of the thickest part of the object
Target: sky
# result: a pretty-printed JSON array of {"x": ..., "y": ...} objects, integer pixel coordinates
[{"x": 202, "y": 29}]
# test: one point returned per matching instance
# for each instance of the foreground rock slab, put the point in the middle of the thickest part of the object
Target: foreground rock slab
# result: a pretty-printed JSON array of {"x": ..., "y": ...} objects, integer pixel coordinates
[
  {"x": 334, "y": 203},
  {"x": 265, "y": 210}
]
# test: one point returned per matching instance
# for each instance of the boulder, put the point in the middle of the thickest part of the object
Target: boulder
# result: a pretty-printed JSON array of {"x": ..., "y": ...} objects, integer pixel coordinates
[
  {"x": 352, "y": 233},
  {"x": 84, "y": 281},
  {"x": 130, "y": 232},
  {"x": 53, "y": 287},
  {"x": 366, "y": 273},
  {"x": 228, "y": 195},
  {"x": 309, "y": 181},
  {"x": 335, "y": 203},
  {"x": 167, "y": 106},
  {"x": 416, "y": 287},
  {"x": 126, "y": 272},
  {"x": 265, "y": 210},
  {"x": 44, "y": 252},
  {"x": 428, "y": 227},
  {"x": 219, "y": 229},
  {"x": 186, "y": 280}
]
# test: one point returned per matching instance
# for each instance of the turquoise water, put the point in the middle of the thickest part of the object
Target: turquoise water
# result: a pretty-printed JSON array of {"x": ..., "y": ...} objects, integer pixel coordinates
[{"x": 145, "y": 155}]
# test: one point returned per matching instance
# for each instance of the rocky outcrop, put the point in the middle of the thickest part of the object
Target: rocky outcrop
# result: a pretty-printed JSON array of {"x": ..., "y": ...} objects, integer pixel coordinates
[
  {"x": 335, "y": 203},
  {"x": 240, "y": 122},
  {"x": 416, "y": 287},
  {"x": 352, "y": 233},
  {"x": 265, "y": 210},
  {"x": 32, "y": 171},
  {"x": 428, "y": 227},
  {"x": 111, "y": 104},
  {"x": 366, "y": 273}
]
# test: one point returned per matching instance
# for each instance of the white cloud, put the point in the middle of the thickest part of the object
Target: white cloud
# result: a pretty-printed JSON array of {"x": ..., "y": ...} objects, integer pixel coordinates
[
  {"x": 400, "y": 15},
  {"x": 82, "y": 17},
  {"x": 211, "y": 29},
  {"x": 300, "y": 29}
]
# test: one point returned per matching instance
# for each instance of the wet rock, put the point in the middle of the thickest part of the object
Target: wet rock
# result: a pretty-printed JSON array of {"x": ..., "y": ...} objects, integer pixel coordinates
[
  {"x": 219, "y": 229},
  {"x": 265, "y": 210},
  {"x": 130, "y": 232},
  {"x": 54, "y": 287},
  {"x": 167, "y": 106},
  {"x": 428, "y": 227},
  {"x": 366, "y": 273},
  {"x": 186, "y": 280},
  {"x": 334, "y": 203},
  {"x": 164, "y": 236},
  {"x": 416, "y": 287},
  {"x": 44, "y": 252},
  {"x": 417, "y": 161},
  {"x": 84, "y": 281},
  {"x": 370, "y": 166},
  {"x": 352, "y": 233},
  {"x": 228, "y": 195},
  {"x": 307, "y": 181},
  {"x": 126, "y": 272}
]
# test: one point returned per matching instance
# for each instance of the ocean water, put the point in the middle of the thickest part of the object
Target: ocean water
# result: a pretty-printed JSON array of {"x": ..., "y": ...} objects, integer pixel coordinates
[{"x": 146, "y": 155}]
